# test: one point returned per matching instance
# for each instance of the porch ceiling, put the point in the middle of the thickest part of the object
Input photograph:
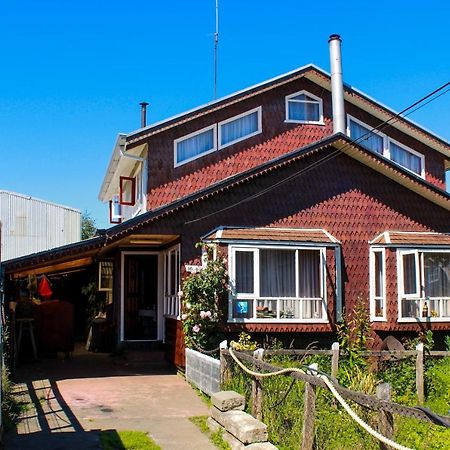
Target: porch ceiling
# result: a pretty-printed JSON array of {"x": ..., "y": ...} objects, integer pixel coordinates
[
  {"x": 146, "y": 240},
  {"x": 55, "y": 268}
]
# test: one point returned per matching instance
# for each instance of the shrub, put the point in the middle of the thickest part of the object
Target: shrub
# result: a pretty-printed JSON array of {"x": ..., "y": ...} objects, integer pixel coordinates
[{"x": 201, "y": 295}]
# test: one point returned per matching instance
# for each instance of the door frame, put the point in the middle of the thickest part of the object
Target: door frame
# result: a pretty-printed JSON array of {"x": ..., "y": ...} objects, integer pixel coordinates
[{"x": 160, "y": 295}]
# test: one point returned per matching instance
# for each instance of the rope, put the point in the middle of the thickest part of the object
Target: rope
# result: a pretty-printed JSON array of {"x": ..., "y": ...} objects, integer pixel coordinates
[
  {"x": 202, "y": 350},
  {"x": 333, "y": 390}
]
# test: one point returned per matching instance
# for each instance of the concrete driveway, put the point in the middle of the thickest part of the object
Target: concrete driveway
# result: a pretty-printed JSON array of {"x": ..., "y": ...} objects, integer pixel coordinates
[{"x": 71, "y": 401}]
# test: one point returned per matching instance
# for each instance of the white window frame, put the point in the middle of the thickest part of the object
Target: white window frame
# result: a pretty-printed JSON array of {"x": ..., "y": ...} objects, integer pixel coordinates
[
  {"x": 231, "y": 119},
  {"x": 420, "y": 277},
  {"x": 232, "y": 248},
  {"x": 171, "y": 302},
  {"x": 289, "y": 98},
  {"x": 386, "y": 146},
  {"x": 373, "y": 296},
  {"x": 190, "y": 135},
  {"x": 116, "y": 212}
]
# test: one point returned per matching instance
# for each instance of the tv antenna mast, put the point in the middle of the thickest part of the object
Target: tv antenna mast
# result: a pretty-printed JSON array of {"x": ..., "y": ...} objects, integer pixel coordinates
[{"x": 216, "y": 43}]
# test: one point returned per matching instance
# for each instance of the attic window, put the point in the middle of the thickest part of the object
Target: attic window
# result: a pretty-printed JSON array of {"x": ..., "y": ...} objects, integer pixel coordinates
[
  {"x": 194, "y": 145},
  {"x": 303, "y": 107},
  {"x": 379, "y": 143},
  {"x": 240, "y": 127},
  {"x": 127, "y": 191}
]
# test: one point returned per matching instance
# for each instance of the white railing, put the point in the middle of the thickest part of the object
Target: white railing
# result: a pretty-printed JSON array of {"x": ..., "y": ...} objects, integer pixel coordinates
[
  {"x": 171, "y": 306},
  {"x": 429, "y": 307},
  {"x": 290, "y": 309}
]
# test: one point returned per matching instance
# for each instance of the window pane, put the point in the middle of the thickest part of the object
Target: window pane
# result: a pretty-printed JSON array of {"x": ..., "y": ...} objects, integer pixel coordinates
[
  {"x": 242, "y": 309},
  {"x": 437, "y": 274},
  {"x": 277, "y": 273},
  {"x": 371, "y": 141},
  {"x": 409, "y": 274},
  {"x": 173, "y": 274},
  {"x": 244, "y": 272},
  {"x": 378, "y": 256},
  {"x": 303, "y": 111},
  {"x": 405, "y": 158},
  {"x": 309, "y": 273},
  {"x": 239, "y": 128},
  {"x": 195, "y": 145},
  {"x": 266, "y": 309}
]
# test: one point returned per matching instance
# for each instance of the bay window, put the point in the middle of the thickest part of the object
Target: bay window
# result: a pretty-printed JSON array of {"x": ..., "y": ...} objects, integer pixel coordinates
[
  {"x": 424, "y": 284},
  {"x": 377, "y": 284},
  {"x": 277, "y": 283}
]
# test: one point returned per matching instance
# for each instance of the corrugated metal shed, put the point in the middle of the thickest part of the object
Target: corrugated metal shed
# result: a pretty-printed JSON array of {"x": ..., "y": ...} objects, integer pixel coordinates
[{"x": 30, "y": 225}]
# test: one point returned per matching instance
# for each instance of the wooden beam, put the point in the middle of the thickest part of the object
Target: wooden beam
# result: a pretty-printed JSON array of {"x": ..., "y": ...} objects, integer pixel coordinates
[{"x": 60, "y": 267}]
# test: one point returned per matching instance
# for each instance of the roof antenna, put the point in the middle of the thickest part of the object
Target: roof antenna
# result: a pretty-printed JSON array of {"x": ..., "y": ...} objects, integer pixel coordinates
[{"x": 216, "y": 43}]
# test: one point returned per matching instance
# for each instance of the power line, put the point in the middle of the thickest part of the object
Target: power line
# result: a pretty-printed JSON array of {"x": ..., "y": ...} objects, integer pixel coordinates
[{"x": 335, "y": 153}]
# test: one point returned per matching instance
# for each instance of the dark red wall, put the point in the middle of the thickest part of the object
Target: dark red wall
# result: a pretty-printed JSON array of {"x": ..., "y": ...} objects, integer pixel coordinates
[
  {"x": 167, "y": 183},
  {"x": 351, "y": 201}
]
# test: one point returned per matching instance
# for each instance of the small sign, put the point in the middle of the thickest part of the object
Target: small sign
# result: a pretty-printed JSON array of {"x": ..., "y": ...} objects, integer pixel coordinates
[{"x": 193, "y": 268}]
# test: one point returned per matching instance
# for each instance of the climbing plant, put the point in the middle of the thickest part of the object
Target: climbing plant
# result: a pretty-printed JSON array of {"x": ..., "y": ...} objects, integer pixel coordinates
[{"x": 202, "y": 294}]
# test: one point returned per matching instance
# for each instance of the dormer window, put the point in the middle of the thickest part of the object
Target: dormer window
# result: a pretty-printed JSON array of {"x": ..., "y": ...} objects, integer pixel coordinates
[
  {"x": 379, "y": 143},
  {"x": 240, "y": 127},
  {"x": 194, "y": 145},
  {"x": 303, "y": 107}
]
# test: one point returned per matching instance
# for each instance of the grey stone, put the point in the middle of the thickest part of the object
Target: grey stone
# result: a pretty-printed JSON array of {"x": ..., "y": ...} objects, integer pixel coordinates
[
  {"x": 261, "y": 446},
  {"x": 213, "y": 425},
  {"x": 235, "y": 444},
  {"x": 241, "y": 425},
  {"x": 228, "y": 400}
]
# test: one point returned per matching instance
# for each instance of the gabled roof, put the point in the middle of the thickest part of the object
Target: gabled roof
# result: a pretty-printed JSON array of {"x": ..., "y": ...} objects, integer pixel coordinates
[
  {"x": 272, "y": 234},
  {"x": 309, "y": 71},
  {"x": 340, "y": 142},
  {"x": 317, "y": 75},
  {"x": 409, "y": 238}
]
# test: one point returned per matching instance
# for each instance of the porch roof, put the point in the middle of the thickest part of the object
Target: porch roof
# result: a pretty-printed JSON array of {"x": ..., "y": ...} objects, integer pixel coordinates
[
  {"x": 272, "y": 234},
  {"x": 408, "y": 238}
]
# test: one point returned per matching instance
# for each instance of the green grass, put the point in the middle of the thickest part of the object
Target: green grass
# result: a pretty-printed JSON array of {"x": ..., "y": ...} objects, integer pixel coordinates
[
  {"x": 215, "y": 437},
  {"x": 127, "y": 440}
]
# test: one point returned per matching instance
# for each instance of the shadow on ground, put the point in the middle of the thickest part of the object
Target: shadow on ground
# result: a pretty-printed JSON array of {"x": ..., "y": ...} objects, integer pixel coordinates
[{"x": 47, "y": 422}]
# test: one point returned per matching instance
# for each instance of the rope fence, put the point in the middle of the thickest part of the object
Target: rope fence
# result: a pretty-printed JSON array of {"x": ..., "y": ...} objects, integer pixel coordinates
[{"x": 313, "y": 378}]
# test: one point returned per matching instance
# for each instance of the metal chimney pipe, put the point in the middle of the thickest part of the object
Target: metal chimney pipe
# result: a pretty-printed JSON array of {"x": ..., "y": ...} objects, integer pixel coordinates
[
  {"x": 337, "y": 85},
  {"x": 143, "y": 114}
]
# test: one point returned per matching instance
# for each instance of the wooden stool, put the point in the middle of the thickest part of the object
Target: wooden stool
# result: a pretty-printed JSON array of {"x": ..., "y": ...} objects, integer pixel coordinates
[{"x": 26, "y": 325}]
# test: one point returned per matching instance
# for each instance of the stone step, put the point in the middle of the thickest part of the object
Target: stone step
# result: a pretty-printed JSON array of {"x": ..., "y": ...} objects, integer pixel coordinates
[
  {"x": 241, "y": 425},
  {"x": 228, "y": 400}
]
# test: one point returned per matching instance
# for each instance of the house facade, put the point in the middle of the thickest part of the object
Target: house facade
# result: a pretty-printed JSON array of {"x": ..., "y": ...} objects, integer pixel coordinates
[{"x": 316, "y": 194}]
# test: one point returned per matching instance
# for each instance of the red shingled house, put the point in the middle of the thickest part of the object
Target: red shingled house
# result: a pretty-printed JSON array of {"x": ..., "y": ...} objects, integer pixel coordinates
[{"x": 312, "y": 206}]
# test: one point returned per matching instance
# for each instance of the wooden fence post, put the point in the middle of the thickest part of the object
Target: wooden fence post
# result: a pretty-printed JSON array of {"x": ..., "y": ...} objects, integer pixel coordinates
[
  {"x": 257, "y": 391},
  {"x": 225, "y": 370},
  {"x": 385, "y": 418},
  {"x": 335, "y": 359},
  {"x": 419, "y": 374},
  {"x": 309, "y": 412}
]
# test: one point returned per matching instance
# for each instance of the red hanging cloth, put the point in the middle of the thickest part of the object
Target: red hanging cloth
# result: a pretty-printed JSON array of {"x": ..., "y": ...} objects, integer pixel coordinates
[{"x": 44, "y": 288}]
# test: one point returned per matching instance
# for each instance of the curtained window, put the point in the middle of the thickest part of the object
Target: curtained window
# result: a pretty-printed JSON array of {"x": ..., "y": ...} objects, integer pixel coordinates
[
  {"x": 405, "y": 158},
  {"x": 278, "y": 283},
  {"x": 365, "y": 138},
  {"x": 304, "y": 107},
  {"x": 194, "y": 145},
  {"x": 242, "y": 127},
  {"x": 425, "y": 287}
]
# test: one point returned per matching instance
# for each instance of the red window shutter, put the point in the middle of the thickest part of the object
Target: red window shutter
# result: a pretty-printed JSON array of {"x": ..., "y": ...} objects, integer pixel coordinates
[{"x": 127, "y": 198}]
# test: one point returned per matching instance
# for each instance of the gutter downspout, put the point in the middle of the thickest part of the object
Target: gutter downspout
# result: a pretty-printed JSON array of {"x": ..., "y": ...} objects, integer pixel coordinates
[{"x": 337, "y": 85}]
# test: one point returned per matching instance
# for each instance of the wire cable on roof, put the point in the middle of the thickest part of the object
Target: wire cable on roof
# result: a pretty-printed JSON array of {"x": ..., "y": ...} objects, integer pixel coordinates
[{"x": 335, "y": 153}]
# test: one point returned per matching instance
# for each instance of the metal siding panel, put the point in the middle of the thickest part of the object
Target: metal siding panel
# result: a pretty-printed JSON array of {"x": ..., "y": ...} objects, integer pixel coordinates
[{"x": 32, "y": 225}]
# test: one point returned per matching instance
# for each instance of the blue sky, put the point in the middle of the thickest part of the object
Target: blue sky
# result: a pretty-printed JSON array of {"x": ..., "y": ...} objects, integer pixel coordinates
[{"x": 73, "y": 73}]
